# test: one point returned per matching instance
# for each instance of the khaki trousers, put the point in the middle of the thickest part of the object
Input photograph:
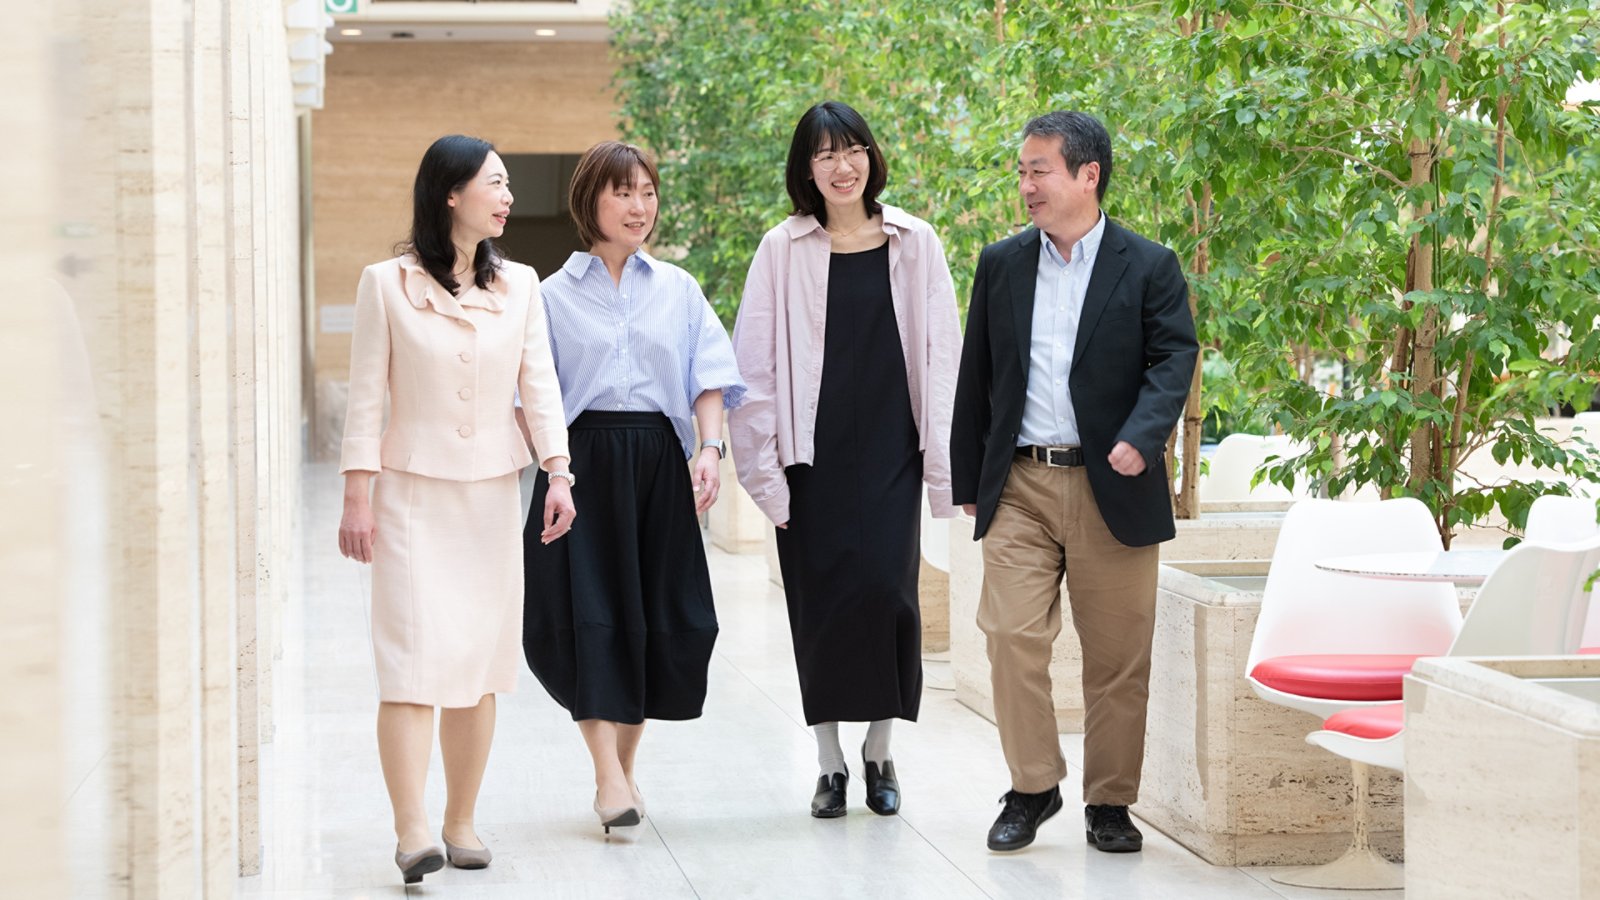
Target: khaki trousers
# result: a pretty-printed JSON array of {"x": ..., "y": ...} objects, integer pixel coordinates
[{"x": 1048, "y": 525}]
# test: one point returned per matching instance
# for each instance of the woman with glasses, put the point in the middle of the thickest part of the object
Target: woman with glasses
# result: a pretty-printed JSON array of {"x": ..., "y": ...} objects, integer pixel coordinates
[{"x": 848, "y": 339}]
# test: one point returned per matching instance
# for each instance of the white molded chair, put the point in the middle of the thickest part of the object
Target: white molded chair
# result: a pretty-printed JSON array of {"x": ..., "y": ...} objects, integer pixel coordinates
[
  {"x": 1326, "y": 642},
  {"x": 1533, "y": 604},
  {"x": 1560, "y": 520},
  {"x": 1235, "y": 463}
]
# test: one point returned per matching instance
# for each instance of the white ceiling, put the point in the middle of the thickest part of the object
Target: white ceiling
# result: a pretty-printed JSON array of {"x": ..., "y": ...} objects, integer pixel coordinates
[{"x": 474, "y": 21}]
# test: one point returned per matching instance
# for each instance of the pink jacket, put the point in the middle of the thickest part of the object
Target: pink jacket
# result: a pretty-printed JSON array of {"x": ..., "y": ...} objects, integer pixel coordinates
[
  {"x": 778, "y": 343},
  {"x": 449, "y": 365}
]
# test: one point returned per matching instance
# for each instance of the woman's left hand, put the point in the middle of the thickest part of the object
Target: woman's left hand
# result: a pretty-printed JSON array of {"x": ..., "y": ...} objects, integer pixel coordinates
[
  {"x": 707, "y": 479},
  {"x": 558, "y": 511}
]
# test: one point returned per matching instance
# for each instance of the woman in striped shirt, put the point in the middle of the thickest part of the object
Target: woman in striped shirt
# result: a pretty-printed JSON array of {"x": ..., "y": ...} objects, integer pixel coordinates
[{"x": 619, "y": 622}]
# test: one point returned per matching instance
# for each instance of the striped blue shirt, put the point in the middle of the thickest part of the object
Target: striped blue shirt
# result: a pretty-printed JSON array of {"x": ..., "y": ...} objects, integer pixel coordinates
[{"x": 652, "y": 344}]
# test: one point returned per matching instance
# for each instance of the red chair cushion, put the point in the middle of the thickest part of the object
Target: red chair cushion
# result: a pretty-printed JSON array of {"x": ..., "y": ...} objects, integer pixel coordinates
[
  {"x": 1591, "y": 651},
  {"x": 1336, "y": 676},
  {"x": 1371, "y": 722}
]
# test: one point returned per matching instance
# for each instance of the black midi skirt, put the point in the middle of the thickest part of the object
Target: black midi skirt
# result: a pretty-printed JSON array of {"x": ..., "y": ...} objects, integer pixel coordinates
[
  {"x": 618, "y": 622},
  {"x": 851, "y": 553}
]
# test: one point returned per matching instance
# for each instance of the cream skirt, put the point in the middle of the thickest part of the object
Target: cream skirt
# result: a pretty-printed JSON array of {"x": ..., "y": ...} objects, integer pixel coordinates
[{"x": 446, "y": 588}]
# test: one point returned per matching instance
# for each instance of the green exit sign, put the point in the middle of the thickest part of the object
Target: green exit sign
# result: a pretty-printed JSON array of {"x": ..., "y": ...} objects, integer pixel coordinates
[{"x": 342, "y": 7}]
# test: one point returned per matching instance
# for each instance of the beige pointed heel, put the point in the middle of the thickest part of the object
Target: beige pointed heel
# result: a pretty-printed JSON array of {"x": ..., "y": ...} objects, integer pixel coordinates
[
  {"x": 615, "y": 816},
  {"x": 415, "y": 865},
  {"x": 463, "y": 858}
]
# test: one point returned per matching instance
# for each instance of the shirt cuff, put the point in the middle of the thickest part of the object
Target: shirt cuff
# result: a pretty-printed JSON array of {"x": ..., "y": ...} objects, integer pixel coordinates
[
  {"x": 776, "y": 505},
  {"x": 939, "y": 503}
]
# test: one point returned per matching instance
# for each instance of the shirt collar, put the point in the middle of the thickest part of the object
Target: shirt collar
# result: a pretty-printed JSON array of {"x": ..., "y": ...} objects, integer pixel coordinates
[
  {"x": 579, "y": 263},
  {"x": 895, "y": 220},
  {"x": 1087, "y": 247}
]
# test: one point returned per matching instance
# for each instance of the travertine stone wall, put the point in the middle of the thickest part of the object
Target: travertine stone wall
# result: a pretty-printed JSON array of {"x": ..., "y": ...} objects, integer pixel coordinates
[
  {"x": 159, "y": 234},
  {"x": 1503, "y": 778},
  {"x": 385, "y": 103},
  {"x": 34, "y": 547}
]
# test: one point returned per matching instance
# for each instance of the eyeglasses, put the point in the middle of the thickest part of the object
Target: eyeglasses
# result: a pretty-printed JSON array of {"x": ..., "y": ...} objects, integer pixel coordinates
[{"x": 828, "y": 160}]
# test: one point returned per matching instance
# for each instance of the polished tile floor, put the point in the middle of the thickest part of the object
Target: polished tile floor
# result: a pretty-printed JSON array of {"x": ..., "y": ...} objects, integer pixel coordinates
[{"x": 727, "y": 793}]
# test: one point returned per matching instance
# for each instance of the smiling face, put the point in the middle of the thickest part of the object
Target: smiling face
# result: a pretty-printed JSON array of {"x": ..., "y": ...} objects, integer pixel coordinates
[
  {"x": 840, "y": 169},
  {"x": 626, "y": 213},
  {"x": 1057, "y": 201},
  {"x": 479, "y": 208}
]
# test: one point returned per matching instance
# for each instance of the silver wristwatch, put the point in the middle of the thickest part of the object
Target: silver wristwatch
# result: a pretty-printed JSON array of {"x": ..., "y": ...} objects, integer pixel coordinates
[
  {"x": 717, "y": 445},
  {"x": 572, "y": 480}
]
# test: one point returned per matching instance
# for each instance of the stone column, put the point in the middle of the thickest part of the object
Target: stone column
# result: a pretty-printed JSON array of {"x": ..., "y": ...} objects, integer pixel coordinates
[
  {"x": 239, "y": 225},
  {"x": 33, "y": 546},
  {"x": 210, "y": 417}
]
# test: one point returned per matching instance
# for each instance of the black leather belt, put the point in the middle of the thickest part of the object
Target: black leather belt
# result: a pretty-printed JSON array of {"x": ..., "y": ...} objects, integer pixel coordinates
[{"x": 1053, "y": 456}]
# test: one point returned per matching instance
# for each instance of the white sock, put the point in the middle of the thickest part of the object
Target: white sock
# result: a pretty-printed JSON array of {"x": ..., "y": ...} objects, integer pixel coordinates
[
  {"x": 830, "y": 756},
  {"x": 877, "y": 747}
]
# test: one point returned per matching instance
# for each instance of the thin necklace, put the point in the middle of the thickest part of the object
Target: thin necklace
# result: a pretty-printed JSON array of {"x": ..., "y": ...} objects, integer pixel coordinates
[{"x": 845, "y": 234}]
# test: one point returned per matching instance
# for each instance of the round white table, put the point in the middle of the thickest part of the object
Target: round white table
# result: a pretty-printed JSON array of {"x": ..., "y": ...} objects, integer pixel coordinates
[{"x": 1464, "y": 567}]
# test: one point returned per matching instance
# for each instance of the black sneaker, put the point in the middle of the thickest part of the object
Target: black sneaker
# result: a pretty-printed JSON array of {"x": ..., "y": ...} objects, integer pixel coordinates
[
  {"x": 1111, "y": 829},
  {"x": 1020, "y": 819}
]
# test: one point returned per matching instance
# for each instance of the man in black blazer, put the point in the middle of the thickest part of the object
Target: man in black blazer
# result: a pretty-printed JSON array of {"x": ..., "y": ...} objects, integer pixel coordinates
[{"x": 1078, "y": 355}]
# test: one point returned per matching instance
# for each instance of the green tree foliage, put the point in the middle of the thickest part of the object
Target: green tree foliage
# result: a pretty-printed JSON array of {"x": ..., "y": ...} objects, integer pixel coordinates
[{"x": 1395, "y": 192}]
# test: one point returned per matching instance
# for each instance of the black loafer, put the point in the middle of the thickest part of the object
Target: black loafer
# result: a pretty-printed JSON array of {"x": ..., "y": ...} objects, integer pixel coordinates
[
  {"x": 1110, "y": 829},
  {"x": 883, "y": 788},
  {"x": 828, "y": 802},
  {"x": 1019, "y": 821}
]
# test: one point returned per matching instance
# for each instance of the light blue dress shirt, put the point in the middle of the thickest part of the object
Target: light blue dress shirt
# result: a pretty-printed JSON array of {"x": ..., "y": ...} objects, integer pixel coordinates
[
  {"x": 1048, "y": 419},
  {"x": 651, "y": 344}
]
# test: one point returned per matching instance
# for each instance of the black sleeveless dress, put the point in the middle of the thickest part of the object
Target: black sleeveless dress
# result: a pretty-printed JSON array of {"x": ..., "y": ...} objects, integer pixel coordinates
[{"x": 850, "y": 556}]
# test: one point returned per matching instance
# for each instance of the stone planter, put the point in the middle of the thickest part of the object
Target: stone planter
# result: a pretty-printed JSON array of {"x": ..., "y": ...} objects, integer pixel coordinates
[{"x": 1503, "y": 778}]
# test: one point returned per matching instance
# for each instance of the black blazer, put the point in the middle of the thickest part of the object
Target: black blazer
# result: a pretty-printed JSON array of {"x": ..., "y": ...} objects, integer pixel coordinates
[{"x": 1131, "y": 367}]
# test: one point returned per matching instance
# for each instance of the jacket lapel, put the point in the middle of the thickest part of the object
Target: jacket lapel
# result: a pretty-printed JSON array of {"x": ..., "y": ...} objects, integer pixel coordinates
[
  {"x": 1022, "y": 270},
  {"x": 1109, "y": 264}
]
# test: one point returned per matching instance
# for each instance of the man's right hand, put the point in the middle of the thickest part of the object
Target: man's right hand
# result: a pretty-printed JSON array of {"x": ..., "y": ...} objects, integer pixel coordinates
[{"x": 970, "y": 509}]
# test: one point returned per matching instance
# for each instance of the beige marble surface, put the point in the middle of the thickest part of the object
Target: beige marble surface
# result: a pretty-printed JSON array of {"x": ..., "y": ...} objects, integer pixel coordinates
[{"x": 1502, "y": 779}]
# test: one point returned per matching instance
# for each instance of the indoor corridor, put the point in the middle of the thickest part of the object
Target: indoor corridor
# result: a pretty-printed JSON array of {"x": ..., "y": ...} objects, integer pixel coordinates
[{"x": 727, "y": 794}]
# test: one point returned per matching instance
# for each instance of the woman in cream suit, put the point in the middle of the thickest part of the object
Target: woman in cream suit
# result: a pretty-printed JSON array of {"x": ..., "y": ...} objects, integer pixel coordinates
[{"x": 448, "y": 331}]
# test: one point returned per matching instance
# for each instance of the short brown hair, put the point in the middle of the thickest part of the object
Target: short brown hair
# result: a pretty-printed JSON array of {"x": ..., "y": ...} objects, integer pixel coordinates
[{"x": 602, "y": 167}]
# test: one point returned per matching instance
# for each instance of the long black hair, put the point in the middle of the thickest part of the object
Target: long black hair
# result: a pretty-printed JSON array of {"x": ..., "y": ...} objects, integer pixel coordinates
[
  {"x": 449, "y": 164},
  {"x": 837, "y": 125}
]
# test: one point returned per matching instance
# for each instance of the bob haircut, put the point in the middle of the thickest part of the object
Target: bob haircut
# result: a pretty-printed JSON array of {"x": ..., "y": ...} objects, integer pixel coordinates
[
  {"x": 603, "y": 167},
  {"x": 835, "y": 125},
  {"x": 446, "y": 167}
]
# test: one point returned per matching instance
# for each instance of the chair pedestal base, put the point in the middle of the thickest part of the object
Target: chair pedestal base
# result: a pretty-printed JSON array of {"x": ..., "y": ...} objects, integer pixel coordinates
[{"x": 1361, "y": 868}]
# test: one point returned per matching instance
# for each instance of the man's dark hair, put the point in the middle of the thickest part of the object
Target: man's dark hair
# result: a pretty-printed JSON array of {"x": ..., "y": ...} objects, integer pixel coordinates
[{"x": 1083, "y": 140}]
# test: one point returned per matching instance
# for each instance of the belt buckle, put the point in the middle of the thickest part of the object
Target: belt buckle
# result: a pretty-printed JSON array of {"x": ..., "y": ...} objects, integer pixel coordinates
[{"x": 1066, "y": 457}]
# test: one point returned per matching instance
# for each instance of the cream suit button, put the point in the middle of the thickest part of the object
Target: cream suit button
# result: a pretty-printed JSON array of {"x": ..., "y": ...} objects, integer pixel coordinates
[
  {"x": 465, "y": 356},
  {"x": 465, "y": 431},
  {"x": 464, "y": 393}
]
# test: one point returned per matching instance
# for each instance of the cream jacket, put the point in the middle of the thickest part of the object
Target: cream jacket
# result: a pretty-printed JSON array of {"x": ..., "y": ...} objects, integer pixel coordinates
[
  {"x": 449, "y": 366},
  {"x": 778, "y": 343}
]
